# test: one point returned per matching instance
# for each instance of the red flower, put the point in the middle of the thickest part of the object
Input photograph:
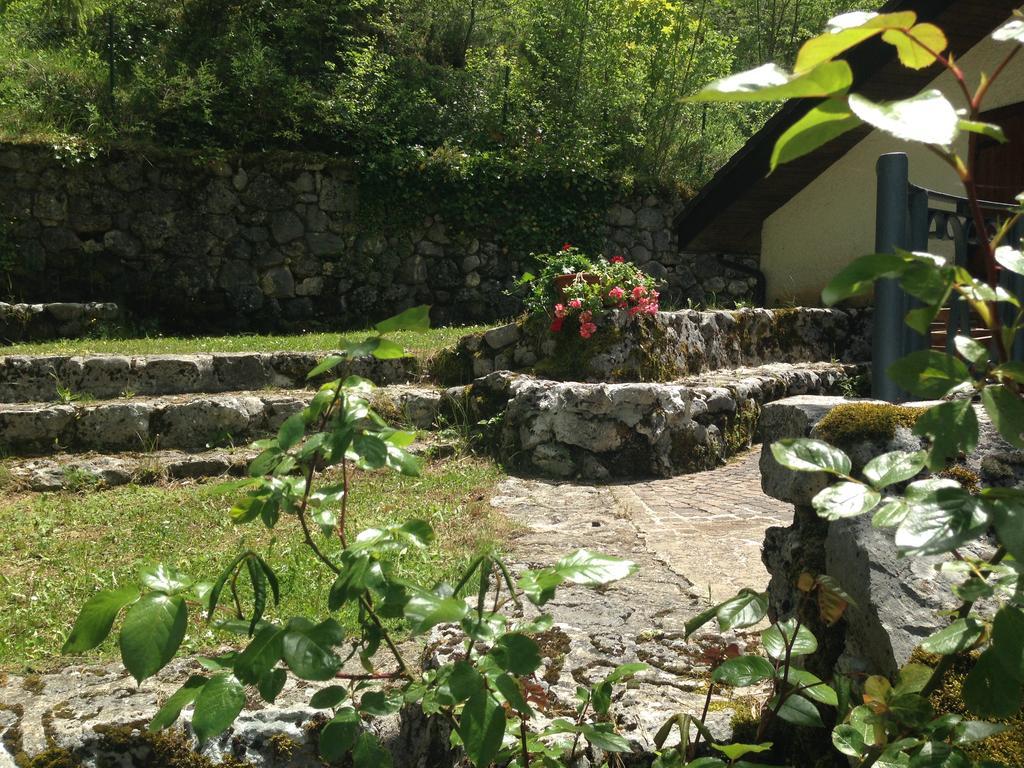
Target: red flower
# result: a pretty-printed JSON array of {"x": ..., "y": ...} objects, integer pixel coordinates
[
  {"x": 566, "y": 246},
  {"x": 556, "y": 324},
  {"x": 616, "y": 259},
  {"x": 587, "y": 330}
]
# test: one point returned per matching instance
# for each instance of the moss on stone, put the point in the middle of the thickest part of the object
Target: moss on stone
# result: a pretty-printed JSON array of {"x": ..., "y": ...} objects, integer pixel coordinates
[
  {"x": 1006, "y": 748},
  {"x": 967, "y": 477},
  {"x": 852, "y": 423},
  {"x": 451, "y": 367},
  {"x": 738, "y": 431}
]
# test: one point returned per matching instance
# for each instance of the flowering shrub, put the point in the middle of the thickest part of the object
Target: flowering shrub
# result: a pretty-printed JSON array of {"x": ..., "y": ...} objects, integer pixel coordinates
[{"x": 572, "y": 286}]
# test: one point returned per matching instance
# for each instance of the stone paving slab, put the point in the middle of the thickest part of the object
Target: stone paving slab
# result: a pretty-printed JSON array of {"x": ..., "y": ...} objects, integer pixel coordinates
[{"x": 698, "y": 522}]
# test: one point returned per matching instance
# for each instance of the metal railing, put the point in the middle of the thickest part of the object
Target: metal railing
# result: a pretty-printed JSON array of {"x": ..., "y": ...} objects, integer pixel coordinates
[{"x": 914, "y": 218}]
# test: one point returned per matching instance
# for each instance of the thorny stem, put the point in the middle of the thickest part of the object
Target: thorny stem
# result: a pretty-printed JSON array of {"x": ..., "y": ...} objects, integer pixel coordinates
[{"x": 369, "y": 676}]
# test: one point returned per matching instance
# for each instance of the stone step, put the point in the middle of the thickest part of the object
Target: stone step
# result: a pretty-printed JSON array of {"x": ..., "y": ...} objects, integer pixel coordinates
[
  {"x": 75, "y": 471},
  {"x": 37, "y": 378},
  {"x": 637, "y": 430},
  {"x": 180, "y": 422}
]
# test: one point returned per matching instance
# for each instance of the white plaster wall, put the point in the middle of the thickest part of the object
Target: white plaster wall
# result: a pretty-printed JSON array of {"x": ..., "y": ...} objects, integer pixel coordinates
[{"x": 832, "y": 220}]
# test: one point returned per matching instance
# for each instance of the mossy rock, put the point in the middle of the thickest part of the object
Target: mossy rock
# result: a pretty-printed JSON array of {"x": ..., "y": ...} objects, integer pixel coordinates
[
  {"x": 853, "y": 423},
  {"x": 1007, "y": 747}
]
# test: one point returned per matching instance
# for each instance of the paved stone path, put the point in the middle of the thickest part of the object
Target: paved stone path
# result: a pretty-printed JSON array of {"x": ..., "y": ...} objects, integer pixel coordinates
[{"x": 708, "y": 527}]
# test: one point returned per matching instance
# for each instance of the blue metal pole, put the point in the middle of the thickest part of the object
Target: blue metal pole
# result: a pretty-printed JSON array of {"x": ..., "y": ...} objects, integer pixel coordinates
[
  {"x": 918, "y": 241},
  {"x": 891, "y": 222}
]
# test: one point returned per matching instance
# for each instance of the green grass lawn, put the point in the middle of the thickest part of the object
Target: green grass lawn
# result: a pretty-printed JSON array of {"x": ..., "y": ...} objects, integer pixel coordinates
[
  {"x": 419, "y": 343},
  {"x": 61, "y": 548}
]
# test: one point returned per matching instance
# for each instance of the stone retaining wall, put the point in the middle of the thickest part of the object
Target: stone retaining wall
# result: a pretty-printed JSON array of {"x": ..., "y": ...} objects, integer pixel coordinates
[
  {"x": 30, "y": 378},
  {"x": 184, "y": 422},
  {"x": 598, "y": 431},
  {"x": 44, "y": 322},
  {"x": 280, "y": 241},
  {"x": 662, "y": 347}
]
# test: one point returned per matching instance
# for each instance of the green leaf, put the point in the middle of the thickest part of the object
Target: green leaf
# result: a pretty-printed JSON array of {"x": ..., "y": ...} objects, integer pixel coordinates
[
  {"x": 464, "y": 680},
  {"x": 700, "y": 620},
  {"x": 742, "y": 671},
  {"x": 307, "y": 649},
  {"x": 372, "y": 451},
  {"x": 1006, "y": 509},
  {"x": 177, "y": 701},
  {"x": 482, "y": 728},
  {"x": 369, "y": 753},
  {"x": 1007, "y": 413},
  {"x": 414, "y": 319},
  {"x": 927, "y": 118},
  {"x": 291, "y": 431},
  {"x": 799, "y": 711},
  {"x": 508, "y": 687},
  {"x": 779, "y": 636},
  {"x": 736, "y": 751},
  {"x": 324, "y": 365},
  {"x": 894, "y": 467},
  {"x": 425, "y": 610},
  {"x": 162, "y": 578},
  {"x": 917, "y": 47},
  {"x": 259, "y": 589},
  {"x": 972, "y": 351},
  {"x": 860, "y": 275},
  {"x": 153, "y": 629},
  {"x": 97, "y": 617},
  {"x": 772, "y": 83},
  {"x": 958, "y": 637},
  {"x": 929, "y": 374},
  {"x": 802, "y": 454},
  {"x": 592, "y": 569},
  {"x": 329, "y": 697},
  {"x": 539, "y": 586},
  {"x": 380, "y": 704},
  {"x": 217, "y": 706},
  {"x": 260, "y": 656},
  {"x": 626, "y": 671},
  {"x": 517, "y": 654},
  {"x": 990, "y": 690},
  {"x": 891, "y": 514},
  {"x": 811, "y": 686},
  {"x": 845, "y": 499},
  {"x": 847, "y": 740},
  {"x": 990, "y": 130},
  {"x": 939, "y": 521},
  {"x": 338, "y": 736},
  {"x": 1008, "y": 641},
  {"x": 819, "y": 126},
  {"x": 744, "y": 610},
  {"x": 1011, "y": 31},
  {"x": 969, "y": 731},
  {"x": 602, "y": 737},
  {"x": 845, "y": 32},
  {"x": 388, "y": 350},
  {"x": 271, "y": 684},
  {"x": 952, "y": 427},
  {"x": 937, "y": 754}
]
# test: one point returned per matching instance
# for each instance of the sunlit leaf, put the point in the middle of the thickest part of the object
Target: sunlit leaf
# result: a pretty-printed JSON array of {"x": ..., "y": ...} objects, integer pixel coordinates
[
  {"x": 819, "y": 126},
  {"x": 918, "y": 46},
  {"x": 927, "y": 118},
  {"x": 772, "y": 83}
]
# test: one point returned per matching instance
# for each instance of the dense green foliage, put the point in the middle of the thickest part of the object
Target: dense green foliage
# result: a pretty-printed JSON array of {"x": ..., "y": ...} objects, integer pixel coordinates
[{"x": 579, "y": 85}]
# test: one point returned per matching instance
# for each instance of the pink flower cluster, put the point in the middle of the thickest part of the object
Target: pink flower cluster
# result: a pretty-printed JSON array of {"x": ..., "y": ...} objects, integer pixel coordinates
[
  {"x": 587, "y": 326},
  {"x": 644, "y": 302}
]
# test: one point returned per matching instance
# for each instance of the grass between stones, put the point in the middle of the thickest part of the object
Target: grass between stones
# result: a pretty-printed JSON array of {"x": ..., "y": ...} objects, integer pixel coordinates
[
  {"x": 61, "y": 548},
  {"x": 419, "y": 343}
]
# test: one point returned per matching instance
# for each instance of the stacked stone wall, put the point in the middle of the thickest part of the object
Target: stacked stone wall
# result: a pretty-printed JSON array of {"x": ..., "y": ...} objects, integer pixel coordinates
[{"x": 270, "y": 241}]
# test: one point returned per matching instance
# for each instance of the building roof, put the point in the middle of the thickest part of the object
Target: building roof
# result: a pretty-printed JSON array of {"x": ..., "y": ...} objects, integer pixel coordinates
[{"x": 728, "y": 213}]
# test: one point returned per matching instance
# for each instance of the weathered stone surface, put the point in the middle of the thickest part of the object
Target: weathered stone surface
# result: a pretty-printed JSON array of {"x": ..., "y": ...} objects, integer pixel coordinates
[
  {"x": 190, "y": 244},
  {"x": 663, "y": 347},
  {"x": 569, "y": 429},
  {"x": 35, "y": 428},
  {"x": 59, "y": 320},
  {"x": 36, "y": 378},
  {"x": 638, "y": 619},
  {"x": 114, "y": 426}
]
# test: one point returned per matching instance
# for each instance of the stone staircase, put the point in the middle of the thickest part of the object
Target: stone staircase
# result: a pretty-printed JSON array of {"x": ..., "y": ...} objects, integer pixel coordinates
[
  {"x": 117, "y": 419},
  {"x": 136, "y": 418}
]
